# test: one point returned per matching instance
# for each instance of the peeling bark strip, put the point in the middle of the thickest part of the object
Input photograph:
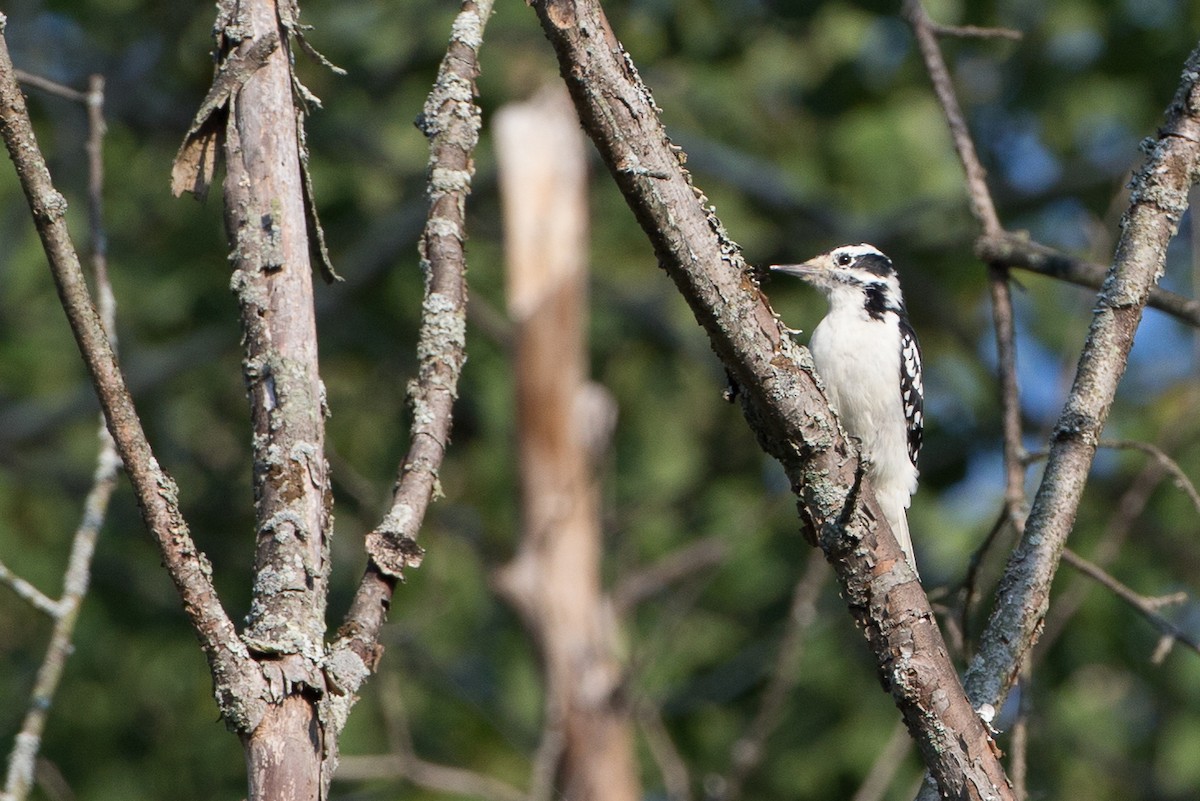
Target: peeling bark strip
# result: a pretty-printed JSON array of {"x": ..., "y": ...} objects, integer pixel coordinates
[
  {"x": 780, "y": 398},
  {"x": 196, "y": 163},
  {"x": 242, "y": 54},
  {"x": 451, "y": 120},
  {"x": 237, "y": 682},
  {"x": 1158, "y": 198}
]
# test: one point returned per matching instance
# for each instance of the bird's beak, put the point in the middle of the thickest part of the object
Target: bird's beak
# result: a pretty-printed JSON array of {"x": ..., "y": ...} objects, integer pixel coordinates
[{"x": 812, "y": 267}]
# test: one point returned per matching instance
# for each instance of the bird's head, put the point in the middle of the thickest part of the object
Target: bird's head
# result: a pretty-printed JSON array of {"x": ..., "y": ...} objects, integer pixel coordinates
[{"x": 845, "y": 273}]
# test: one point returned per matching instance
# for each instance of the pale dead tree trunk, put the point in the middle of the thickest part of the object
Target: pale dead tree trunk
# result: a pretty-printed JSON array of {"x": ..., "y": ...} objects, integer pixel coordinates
[{"x": 554, "y": 581}]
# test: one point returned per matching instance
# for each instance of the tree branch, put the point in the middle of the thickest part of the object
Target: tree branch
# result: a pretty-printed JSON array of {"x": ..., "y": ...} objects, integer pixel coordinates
[
  {"x": 984, "y": 210},
  {"x": 235, "y": 675},
  {"x": 1144, "y": 606},
  {"x": 750, "y": 748},
  {"x": 1018, "y": 251},
  {"x": 451, "y": 121},
  {"x": 1157, "y": 201},
  {"x": 647, "y": 581},
  {"x": 780, "y": 397},
  {"x": 75, "y": 580}
]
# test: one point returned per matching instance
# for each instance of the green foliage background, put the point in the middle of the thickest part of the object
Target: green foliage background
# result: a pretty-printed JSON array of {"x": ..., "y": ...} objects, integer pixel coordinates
[{"x": 808, "y": 125}]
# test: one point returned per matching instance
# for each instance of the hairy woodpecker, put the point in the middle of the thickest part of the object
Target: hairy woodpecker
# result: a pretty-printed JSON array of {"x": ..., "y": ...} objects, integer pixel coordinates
[{"x": 868, "y": 358}]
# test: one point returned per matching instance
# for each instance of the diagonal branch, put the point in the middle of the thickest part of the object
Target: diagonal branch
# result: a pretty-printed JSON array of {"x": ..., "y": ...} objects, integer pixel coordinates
[
  {"x": 451, "y": 121},
  {"x": 750, "y": 748},
  {"x": 779, "y": 395},
  {"x": 236, "y": 677},
  {"x": 1157, "y": 201},
  {"x": 1146, "y": 607}
]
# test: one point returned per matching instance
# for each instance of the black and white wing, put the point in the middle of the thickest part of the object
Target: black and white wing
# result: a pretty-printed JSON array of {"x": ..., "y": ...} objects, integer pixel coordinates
[{"x": 912, "y": 393}]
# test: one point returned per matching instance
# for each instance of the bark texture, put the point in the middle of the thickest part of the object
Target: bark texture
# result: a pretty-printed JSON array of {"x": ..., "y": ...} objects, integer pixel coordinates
[
  {"x": 780, "y": 397},
  {"x": 272, "y": 279},
  {"x": 554, "y": 581}
]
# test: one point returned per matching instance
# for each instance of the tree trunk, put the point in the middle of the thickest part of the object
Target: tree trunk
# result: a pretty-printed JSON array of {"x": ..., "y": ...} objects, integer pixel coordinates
[{"x": 555, "y": 579}]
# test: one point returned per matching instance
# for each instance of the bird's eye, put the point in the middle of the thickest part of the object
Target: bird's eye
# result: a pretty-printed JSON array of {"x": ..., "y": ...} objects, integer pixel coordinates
[{"x": 844, "y": 260}]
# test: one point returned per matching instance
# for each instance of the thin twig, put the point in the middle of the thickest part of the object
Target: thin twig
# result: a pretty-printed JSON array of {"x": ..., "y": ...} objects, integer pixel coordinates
[
  {"x": 22, "y": 760},
  {"x": 639, "y": 585},
  {"x": 1160, "y": 456},
  {"x": 750, "y": 748},
  {"x": 975, "y": 32},
  {"x": 428, "y": 775},
  {"x": 970, "y": 587},
  {"x": 982, "y": 206},
  {"x": 1147, "y": 607},
  {"x": 883, "y": 769},
  {"x": 1019, "y": 742},
  {"x": 677, "y": 783},
  {"x": 27, "y": 592},
  {"x": 548, "y": 754},
  {"x": 53, "y": 87},
  {"x": 984, "y": 210},
  {"x": 1129, "y": 507},
  {"x": 403, "y": 763}
]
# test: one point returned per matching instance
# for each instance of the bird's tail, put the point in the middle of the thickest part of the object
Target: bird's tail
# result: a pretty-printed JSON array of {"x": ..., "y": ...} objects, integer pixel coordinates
[{"x": 893, "y": 509}]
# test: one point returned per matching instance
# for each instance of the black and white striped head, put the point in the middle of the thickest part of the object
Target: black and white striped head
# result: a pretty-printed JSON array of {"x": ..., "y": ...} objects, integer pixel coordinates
[{"x": 859, "y": 275}]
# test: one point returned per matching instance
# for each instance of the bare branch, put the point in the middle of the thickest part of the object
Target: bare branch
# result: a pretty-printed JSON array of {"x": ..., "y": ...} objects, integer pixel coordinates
[
  {"x": 1161, "y": 457},
  {"x": 750, "y": 748},
  {"x": 1169, "y": 465},
  {"x": 1019, "y": 741},
  {"x": 1146, "y": 607},
  {"x": 429, "y": 775},
  {"x": 53, "y": 87},
  {"x": 21, "y": 761},
  {"x": 236, "y": 677},
  {"x": 984, "y": 210},
  {"x": 652, "y": 579},
  {"x": 403, "y": 762},
  {"x": 451, "y": 121},
  {"x": 780, "y": 397},
  {"x": 1128, "y": 508},
  {"x": 677, "y": 783},
  {"x": 982, "y": 206},
  {"x": 883, "y": 770},
  {"x": 1157, "y": 201},
  {"x": 976, "y": 32},
  {"x": 1018, "y": 251},
  {"x": 75, "y": 580},
  {"x": 27, "y": 592},
  {"x": 970, "y": 586}
]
